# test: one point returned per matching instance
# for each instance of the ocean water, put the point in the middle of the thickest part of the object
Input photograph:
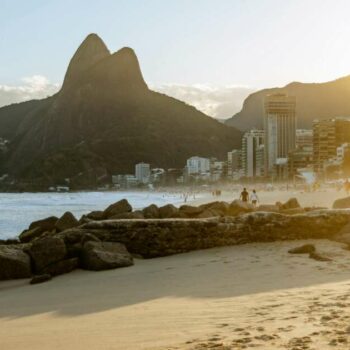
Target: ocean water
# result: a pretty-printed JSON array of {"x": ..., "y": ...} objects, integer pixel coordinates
[{"x": 18, "y": 210}]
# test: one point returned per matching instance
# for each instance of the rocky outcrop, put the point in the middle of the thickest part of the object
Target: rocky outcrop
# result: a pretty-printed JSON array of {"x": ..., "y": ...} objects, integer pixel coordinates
[
  {"x": 159, "y": 237},
  {"x": 47, "y": 251},
  {"x": 28, "y": 235},
  {"x": 38, "y": 228},
  {"x": 47, "y": 224},
  {"x": 168, "y": 211},
  {"x": 66, "y": 221},
  {"x": 342, "y": 203},
  {"x": 105, "y": 255},
  {"x": 291, "y": 203},
  {"x": 304, "y": 249},
  {"x": 14, "y": 263},
  {"x": 61, "y": 267},
  {"x": 151, "y": 212},
  {"x": 120, "y": 207}
]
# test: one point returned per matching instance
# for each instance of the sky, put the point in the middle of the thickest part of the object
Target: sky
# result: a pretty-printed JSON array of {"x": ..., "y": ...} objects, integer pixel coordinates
[{"x": 211, "y": 53}]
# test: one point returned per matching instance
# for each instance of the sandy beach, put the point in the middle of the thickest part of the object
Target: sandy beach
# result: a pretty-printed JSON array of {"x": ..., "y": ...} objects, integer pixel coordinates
[
  {"x": 254, "y": 295},
  {"x": 321, "y": 198}
]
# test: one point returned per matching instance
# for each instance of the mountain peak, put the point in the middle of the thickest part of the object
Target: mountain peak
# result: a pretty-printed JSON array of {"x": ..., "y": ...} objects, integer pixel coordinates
[{"x": 90, "y": 51}]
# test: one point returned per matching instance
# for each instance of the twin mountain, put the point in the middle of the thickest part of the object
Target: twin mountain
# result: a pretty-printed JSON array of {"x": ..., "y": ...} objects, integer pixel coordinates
[{"x": 103, "y": 121}]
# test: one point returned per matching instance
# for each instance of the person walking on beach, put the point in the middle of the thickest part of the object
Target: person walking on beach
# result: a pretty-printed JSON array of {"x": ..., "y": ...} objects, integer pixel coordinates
[
  {"x": 244, "y": 195},
  {"x": 254, "y": 198}
]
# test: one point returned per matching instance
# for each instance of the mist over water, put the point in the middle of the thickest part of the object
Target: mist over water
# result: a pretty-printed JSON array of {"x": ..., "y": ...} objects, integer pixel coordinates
[{"x": 18, "y": 210}]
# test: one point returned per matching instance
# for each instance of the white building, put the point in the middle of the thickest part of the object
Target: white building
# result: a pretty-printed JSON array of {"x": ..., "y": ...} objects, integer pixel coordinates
[
  {"x": 143, "y": 172},
  {"x": 198, "y": 165},
  {"x": 251, "y": 142}
]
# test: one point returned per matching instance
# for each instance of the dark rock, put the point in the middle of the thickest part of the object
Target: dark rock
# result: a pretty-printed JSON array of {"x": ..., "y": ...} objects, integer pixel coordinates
[
  {"x": 318, "y": 257},
  {"x": 29, "y": 235},
  {"x": 304, "y": 249},
  {"x": 238, "y": 207},
  {"x": 342, "y": 203},
  {"x": 133, "y": 215},
  {"x": 88, "y": 237},
  {"x": 190, "y": 211},
  {"x": 61, "y": 267},
  {"x": 168, "y": 211},
  {"x": 9, "y": 241},
  {"x": 151, "y": 212},
  {"x": 66, "y": 221},
  {"x": 47, "y": 224},
  {"x": 292, "y": 211},
  {"x": 220, "y": 208},
  {"x": 268, "y": 208},
  {"x": 95, "y": 215},
  {"x": 41, "y": 278},
  {"x": 291, "y": 203},
  {"x": 46, "y": 251},
  {"x": 209, "y": 213},
  {"x": 14, "y": 263},
  {"x": 105, "y": 255},
  {"x": 119, "y": 207}
]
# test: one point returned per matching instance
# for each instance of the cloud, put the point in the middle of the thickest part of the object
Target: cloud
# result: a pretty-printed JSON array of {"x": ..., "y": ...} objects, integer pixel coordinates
[
  {"x": 216, "y": 101},
  {"x": 34, "y": 87}
]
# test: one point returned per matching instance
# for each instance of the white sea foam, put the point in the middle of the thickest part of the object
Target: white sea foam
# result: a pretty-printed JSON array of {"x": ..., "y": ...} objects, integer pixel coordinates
[{"x": 18, "y": 210}]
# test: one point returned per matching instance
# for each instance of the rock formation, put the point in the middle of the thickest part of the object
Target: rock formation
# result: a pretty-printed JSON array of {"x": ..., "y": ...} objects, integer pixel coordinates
[{"x": 103, "y": 121}]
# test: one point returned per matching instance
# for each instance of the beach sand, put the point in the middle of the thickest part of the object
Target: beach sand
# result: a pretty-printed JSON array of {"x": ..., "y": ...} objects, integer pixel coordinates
[
  {"x": 240, "y": 297},
  {"x": 322, "y": 198}
]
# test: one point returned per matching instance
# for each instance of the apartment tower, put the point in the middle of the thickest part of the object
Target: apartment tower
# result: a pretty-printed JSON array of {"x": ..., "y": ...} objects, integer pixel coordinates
[{"x": 280, "y": 129}]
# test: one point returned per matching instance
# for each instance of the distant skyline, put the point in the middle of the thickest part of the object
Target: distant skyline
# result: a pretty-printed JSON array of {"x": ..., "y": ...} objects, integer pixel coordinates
[{"x": 184, "y": 46}]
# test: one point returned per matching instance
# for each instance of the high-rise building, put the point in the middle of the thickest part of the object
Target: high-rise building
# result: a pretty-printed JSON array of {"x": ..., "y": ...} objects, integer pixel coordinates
[
  {"x": 280, "y": 129},
  {"x": 327, "y": 136},
  {"x": 143, "y": 172},
  {"x": 251, "y": 142},
  {"x": 234, "y": 163}
]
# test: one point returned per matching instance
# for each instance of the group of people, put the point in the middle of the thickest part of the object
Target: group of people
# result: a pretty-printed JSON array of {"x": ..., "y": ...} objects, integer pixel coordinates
[{"x": 246, "y": 197}]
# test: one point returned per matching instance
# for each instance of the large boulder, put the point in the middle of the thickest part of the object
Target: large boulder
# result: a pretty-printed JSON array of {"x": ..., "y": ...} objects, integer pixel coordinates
[
  {"x": 66, "y": 221},
  {"x": 168, "y": 211},
  {"x": 304, "y": 249},
  {"x": 14, "y": 263},
  {"x": 98, "y": 256},
  {"x": 61, "y": 267},
  {"x": 291, "y": 203},
  {"x": 28, "y": 235},
  {"x": 292, "y": 211},
  {"x": 47, "y": 224},
  {"x": 342, "y": 203},
  {"x": 238, "y": 207},
  {"x": 94, "y": 215},
  {"x": 151, "y": 212},
  {"x": 119, "y": 207},
  {"x": 219, "y": 208},
  {"x": 272, "y": 208},
  {"x": 46, "y": 251},
  {"x": 41, "y": 278},
  {"x": 190, "y": 211},
  {"x": 137, "y": 214}
]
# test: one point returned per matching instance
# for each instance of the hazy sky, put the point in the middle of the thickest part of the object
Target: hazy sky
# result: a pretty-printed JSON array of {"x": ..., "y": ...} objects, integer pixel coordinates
[{"x": 211, "y": 43}]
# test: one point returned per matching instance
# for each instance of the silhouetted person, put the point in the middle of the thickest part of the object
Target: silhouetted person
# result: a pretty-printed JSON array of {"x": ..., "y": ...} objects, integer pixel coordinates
[
  {"x": 254, "y": 198},
  {"x": 244, "y": 195}
]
